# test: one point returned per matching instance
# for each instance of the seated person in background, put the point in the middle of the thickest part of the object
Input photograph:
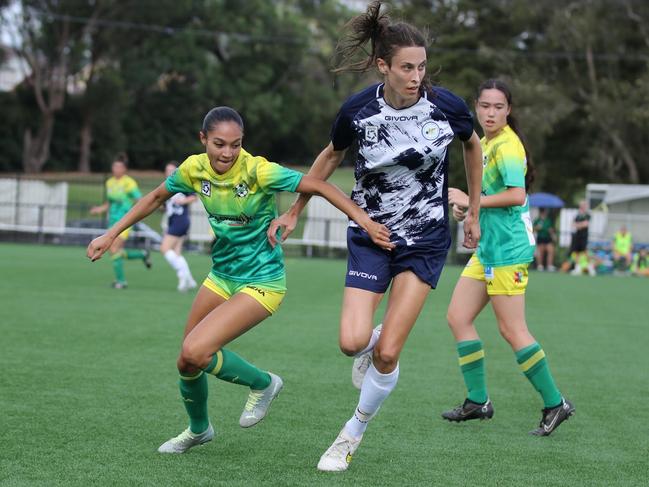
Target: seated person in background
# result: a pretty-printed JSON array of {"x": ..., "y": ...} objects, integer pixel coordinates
[
  {"x": 622, "y": 248},
  {"x": 640, "y": 265},
  {"x": 545, "y": 238}
]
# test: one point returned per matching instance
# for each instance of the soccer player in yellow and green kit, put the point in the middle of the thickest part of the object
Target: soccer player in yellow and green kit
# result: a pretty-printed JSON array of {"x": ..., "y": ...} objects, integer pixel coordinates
[
  {"x": 121, "y": 193},
  {"x": 497, "y": 272},
  {"x": 247, "y": 281}
]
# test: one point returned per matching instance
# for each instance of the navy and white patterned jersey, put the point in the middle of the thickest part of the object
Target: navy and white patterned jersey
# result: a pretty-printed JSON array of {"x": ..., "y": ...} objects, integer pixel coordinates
[
  {"x": 402, "y": 165},
  {"x": 173, "y": 209}
]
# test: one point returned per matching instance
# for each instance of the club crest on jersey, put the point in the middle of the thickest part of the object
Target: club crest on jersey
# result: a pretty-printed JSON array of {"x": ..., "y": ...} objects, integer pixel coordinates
[
  {"x": 206, "y": 188},
  {"x": 430, "y": 130},
  {"x": 371, "y": 134},
  {"x": 241, "y": 190}
]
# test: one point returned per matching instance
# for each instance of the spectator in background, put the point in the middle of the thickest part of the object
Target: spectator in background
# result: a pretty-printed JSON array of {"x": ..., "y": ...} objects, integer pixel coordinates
[
  {"x": 579, "y": 243},
  {"x": 640, "y": 265},
  {"x": 545, "y": 239},
  {"x": 177, "y": 211},
  {"x": 622, "y": 248}
]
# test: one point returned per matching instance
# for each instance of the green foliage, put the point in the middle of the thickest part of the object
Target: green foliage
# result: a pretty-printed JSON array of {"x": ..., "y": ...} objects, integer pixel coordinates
[{"x": 144, "y": 77}]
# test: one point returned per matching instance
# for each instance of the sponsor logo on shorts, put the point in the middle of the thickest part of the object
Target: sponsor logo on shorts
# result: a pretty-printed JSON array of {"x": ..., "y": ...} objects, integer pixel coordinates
[
  {"x": 259, "y": 290},
  {"x": 518, "y": 277},
  {"x": 489, "y": 272},
  {"x": 363, "y": 275}
]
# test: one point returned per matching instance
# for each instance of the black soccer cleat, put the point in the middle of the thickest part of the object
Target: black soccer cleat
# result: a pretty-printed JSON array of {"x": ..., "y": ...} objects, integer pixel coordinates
[
  {"x": 553, "y": 417},
  {"x": 470, "y": 410},
  {"x": 147, "y": 259}
]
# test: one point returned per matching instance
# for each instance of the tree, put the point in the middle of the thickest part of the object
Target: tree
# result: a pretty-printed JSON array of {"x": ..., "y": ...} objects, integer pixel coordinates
[{"x": 51, "y": 45}]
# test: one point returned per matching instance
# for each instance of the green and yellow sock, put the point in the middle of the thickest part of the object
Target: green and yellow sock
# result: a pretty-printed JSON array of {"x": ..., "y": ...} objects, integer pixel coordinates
[
  {"x": 534, "y": 365},
  {"x": 134, "y": 254},
  {"x": 193, "y": 390},
  {"x": 228, "y": 366},
  {"x": 471, "y": 358},
  {"x": 118, "y": 267}
]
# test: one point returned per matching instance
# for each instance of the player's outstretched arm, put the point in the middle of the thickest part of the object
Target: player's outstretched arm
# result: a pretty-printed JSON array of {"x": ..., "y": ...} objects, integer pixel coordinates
[
  {"x": 98, "y": 210},
  {"x": 143, "y": 208},
  {"x": 379, "y": 234},
  {"x": 323, "y": 167}
]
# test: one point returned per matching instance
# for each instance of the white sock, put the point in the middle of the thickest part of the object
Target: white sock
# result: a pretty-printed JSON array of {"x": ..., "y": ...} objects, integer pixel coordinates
[
  {"x": 372, "y": 343},
  {"x": 175, "y": 262},
  {"x": 184, "y": 267},
  {"x": 376, "y": 389}
]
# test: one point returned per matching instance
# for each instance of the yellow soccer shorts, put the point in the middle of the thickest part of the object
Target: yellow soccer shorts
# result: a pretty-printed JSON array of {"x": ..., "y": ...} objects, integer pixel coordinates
[
  {"x": 508, "y": 280},
  {"x": 124, "y": 234},
  {"x": 269, "y": 294}
]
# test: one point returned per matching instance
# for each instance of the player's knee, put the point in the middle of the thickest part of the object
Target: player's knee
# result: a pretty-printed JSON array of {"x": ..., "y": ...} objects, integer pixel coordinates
[
  {"x": 354, "y": 340},
  {"x": 385, "y": 357},
  {"x": 351, "y": 347},
  {"x": 512, "y": 332},
  {"x": 193, "y": 355},
  {"x": 455, "y": 319}
]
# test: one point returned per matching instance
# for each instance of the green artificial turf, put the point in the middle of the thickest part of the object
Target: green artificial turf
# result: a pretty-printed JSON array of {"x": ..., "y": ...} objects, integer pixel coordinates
[{"x": 89, "y": 386}]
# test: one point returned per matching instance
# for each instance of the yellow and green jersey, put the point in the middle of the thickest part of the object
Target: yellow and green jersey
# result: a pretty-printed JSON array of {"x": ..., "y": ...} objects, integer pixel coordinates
[
  {"x": 122, "y": 194},
  {"x": 240, "y": 205},
  {"x": 623, "y": 242},
  {"x": 507, "y": 234}
]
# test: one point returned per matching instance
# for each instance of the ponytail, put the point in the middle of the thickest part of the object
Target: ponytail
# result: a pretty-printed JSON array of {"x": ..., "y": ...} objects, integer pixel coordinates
[{"x": 384, "y": 36}]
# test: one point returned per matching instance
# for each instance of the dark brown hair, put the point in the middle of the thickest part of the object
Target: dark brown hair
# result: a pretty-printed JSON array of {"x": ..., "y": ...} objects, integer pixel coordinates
[
  {"x": 221, "y": 114},
  {"x": 121, "y": 157},
  {"x": 501, "y": 86},
  {"x": 384, "y": 36}
]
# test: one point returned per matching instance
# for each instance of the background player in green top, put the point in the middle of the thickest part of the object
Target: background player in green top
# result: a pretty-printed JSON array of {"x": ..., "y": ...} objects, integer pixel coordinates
[
  {"x": 497, "y": 273},
  {"x": 545, "y": 238},
  {"x": 247, "y": 282},
  {"x": 121, "y": 193}
]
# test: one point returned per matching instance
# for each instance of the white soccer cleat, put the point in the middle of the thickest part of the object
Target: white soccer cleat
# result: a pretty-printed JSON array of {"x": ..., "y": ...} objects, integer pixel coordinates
[
  {"x": 259, "y": 402},
  {"x": 186, "y": 283},
  {"x": 186, "y": 440},
  {"x": 339, "y": 455},
  {"x": 361, "y": 364}
]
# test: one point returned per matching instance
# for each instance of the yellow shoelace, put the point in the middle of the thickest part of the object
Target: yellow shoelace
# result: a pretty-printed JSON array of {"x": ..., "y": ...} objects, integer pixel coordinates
[{"x": 253, "y": 399}]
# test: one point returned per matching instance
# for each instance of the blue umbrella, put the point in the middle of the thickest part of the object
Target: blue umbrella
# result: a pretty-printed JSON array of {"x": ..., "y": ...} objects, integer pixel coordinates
[{"x": 546, "y": 200}]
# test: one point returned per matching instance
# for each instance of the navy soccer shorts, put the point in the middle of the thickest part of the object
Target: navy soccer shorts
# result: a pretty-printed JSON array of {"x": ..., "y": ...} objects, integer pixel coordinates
[
  {"x": 371, "y": 268},
  {"x": 178, "y": 227}
]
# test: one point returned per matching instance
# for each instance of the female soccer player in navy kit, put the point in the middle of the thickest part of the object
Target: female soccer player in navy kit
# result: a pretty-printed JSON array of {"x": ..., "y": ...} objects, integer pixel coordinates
[
  {"x": 403, "y": 128},
  {"x": 178, "y": 221},
  {"x": 497, "y": 272},
  {"x": 247, "y": 281}
]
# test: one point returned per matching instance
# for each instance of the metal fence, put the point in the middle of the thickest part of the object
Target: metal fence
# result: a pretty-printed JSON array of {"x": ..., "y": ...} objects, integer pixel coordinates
[{"x": 57, "y": 211}]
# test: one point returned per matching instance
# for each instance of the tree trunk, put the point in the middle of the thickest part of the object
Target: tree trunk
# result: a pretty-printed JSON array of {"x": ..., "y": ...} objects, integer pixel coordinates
[
  {"x": 85, "y": 144},
  {"x": 36, "y": 149},
  {"x": 626, "y": 156}
]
